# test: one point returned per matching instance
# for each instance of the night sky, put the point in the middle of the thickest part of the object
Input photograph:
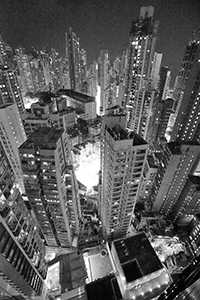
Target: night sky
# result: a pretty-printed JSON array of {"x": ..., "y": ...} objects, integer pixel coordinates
[{"x": 98, "y": 23}]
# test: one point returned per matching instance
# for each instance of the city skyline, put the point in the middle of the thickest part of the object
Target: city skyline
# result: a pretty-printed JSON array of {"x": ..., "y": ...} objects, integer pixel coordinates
[
  {"x": 44, "y": 23},
  {"x": 99, "y": 154}
]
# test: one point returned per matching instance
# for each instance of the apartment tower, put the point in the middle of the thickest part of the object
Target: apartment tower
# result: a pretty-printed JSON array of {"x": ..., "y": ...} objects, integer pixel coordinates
[
  {"x": 50, "y": 184},
  {"x": 123, "y": 156},
  {"x": 22, "y": 252},
  {"x": 140, "y": 82}
]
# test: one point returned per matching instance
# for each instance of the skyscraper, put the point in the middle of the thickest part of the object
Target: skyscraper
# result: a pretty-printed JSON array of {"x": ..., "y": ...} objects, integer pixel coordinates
[
  {"x": 75, "y": 58},
  {"x": 3, "y": 56},
  {"x": 139, "y": 87},
  {"x": 161, "y": 115},
  {"x": 25, "y": 76},
  {"x": 9, "y": 89},
  {"x": 12, "y": 135},
  {"x": 123, "y": 156},
  {"x": 50, "y": 184},
  {"x": 92, "y": 79},
  {"x": 104, "y": 80},
  {"x": 22, "y": 252},
  {"x": 164, "y": 84},
  {"x": 187, "y": 123},
  {"x": 188, "y": 204},
  {"x": 181, "y": 161}
]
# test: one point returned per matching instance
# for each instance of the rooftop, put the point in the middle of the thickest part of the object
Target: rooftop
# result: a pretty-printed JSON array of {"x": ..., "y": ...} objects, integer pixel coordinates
[
  {"x": 104, "y": 289},
  {"x": 136, "y": 253},
  {"x": 67, "y": 110},
  {"x": 118, "y": 133},
  {"x": 75, "y": 95},
  {"x": 34, "y": 117},
  {"x": 97, "y": 265},
  {"x": 44, "y": 137},
  {"x": 70, "y": 272}
]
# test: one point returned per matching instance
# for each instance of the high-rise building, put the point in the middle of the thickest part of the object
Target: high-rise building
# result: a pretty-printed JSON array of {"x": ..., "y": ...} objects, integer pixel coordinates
[
  {"x": 38, "y": 73},
  {"x": 22, "y": 251},
  {"x": 12, "y": 136},
  {"x": 162, "y": 112},
  {"x": 140, "y": 82},
  {"x": 76, "y": 59},
  {"x": 84, "y": 105},
  {"x": 3, "y": 54},
  {"x": 103, "y": 80},
  {"x": 123, "y": 156},
  {"x": 41, "y": 114},
  {"x": 45, "y": 63},
  {"x": 188, "y": 204},
  {"x": 51, "y": 185},
  {"x": 164, "y": 83},
  {"x": 178, "y": 161},
  {"x": 9, "y": 89},
  {"x": 149, "y": 175},
  {"x": 150, "y": 277},
  {"x": 25, "y": 75},
  {"x": 187, "y": 123},
  {"x": 92, "y": 79}
]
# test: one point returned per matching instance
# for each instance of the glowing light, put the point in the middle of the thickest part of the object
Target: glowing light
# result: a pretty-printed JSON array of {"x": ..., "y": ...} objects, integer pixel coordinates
[{"x": 87, "y": 172}]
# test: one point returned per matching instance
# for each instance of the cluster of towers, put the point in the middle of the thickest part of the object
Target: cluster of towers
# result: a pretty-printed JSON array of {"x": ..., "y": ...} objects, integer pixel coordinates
[{"x": 149, "y": 153}]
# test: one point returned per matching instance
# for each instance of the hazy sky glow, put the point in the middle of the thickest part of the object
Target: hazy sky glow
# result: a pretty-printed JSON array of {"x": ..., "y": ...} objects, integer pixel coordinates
[{"x": 98, "y": 23}]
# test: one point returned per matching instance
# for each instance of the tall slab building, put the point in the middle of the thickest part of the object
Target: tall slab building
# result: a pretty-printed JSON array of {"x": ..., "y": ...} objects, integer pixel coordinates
[
  {"x": 123, "y": 156},
  {"x": 175, "y": 183},
  {"x": 25, "y": 75},
  {"x": 50, "y": 184},
  {"x": 187, "y": 94},
  {"x": 140, "y": 82},
  {"x": 9, "y": 89},
  {"x": 22, "y": 251},
  {"x": 76, "y": 59},
  {"x": 103, "y": 80},
  {"x": 12, "y": 135}
]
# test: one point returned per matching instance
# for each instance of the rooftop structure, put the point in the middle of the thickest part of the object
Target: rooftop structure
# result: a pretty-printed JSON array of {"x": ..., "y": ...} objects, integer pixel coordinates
[
  {"x": 76, "y": 95},
  {"x": 66, "y": 273},
  {"x": 106, "y": 288},
  {"x": 84, "y": 105},
  {"x": 141, "y": 273}
]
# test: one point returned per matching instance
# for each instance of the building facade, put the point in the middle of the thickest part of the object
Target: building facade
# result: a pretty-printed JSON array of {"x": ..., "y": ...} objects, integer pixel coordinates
[
  {"x": 12, "y": 136},
  {"x": 181, "y": 160},
  {"x": 139, "y": 87},
  {"x": 187, "y": 93},
  {"x": 76, "y": 60},
  {"x": 9, "y": 89},
  {"x": 123, "y": 156},
  {"x": 22, "y": 251},
  {"x": 50, "y": 184},
  {"x": 84, "y": 105}
]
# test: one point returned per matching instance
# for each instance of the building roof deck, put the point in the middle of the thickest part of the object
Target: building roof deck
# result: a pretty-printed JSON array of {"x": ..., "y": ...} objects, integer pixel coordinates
[
  {"x": 44, "y": 137},
  {"x": 105, "y": 288},
  {"x": 136, "y": 253},
  {"x": 119, "y": 134},
  {"x": 76, "y": 96}
]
